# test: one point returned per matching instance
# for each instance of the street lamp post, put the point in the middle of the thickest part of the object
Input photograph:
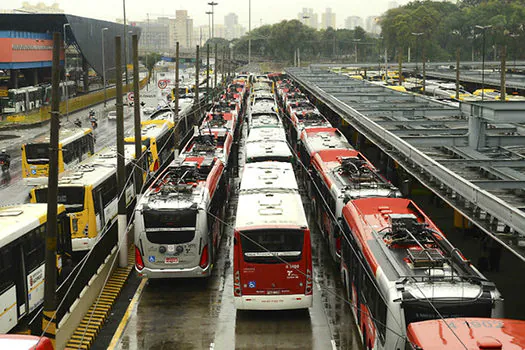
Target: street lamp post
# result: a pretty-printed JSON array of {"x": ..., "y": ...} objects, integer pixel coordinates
[
  {"x": 125, "y": 45},
  {"x": 417, "y": 35},
  {"x": 213, "y": 4},
  {"x": 209, "y": 23},
  {"x": 249, "y": 31},
  {"x": 483, "y": 29},
  {"x": 65, "y": 70},
  {"x": 104, "y": 68}
]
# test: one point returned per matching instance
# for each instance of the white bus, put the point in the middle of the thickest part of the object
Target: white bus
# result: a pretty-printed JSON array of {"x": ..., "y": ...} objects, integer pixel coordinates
[
  {"x": 272, "y": 259},
  {"x": 178, "y": 221},
  {"x": 22, "y": 259}
]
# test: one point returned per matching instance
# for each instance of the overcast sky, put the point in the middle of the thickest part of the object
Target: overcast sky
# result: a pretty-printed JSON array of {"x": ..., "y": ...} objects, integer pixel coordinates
[{"x": 263, "y": 11}]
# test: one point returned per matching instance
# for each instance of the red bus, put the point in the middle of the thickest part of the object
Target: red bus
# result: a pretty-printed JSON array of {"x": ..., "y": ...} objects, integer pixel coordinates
[
  {"x": 272, "y": 261},
  {"x": 466, "y": 333},
  {"x": 24, "y": 342},
  {"x": 398, "y": 268}
]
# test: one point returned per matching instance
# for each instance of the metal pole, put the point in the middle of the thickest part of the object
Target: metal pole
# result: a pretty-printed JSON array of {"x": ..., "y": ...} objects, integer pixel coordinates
[
  {"x": 215, "y": 70},
  {"x": 503, "y": 96},
  {"x": 249, "y": 31},
  {"x": 213, "y": 4},
  {"x": 125, "y": 46},
  {"x": 104, "y": 68},
  {"x": 65, "y": 71},
  {"x": 209, "y": 24},
  {"x": 136, "y": 107},
  {"x": 177, "y": 95},
  {"x": 197, "y": 81},
  {"x": 222, "y": 65},
  {"x": 207, "y": 72},
  {"x": 457, "y": 71},
  {"x": 483, "y": 70},
  {"x": 50, "y": 301},
  {"x": 121, "y": 168}
]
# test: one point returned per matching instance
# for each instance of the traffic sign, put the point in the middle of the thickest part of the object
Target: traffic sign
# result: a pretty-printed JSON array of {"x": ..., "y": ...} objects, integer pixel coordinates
[
  {"x": 162, "y": 84},
  {"x": 130, "y": 96}
]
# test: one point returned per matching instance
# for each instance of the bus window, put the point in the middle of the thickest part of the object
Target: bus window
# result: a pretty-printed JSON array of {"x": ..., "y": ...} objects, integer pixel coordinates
[
  {"x": 272, "y": 246},
  {"x": 71, "y": 197},
  {"x": 37, "y": 153}
]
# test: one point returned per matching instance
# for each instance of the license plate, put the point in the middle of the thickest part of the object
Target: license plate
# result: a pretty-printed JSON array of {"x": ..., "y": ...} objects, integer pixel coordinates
[{"x": 171, "y": 260}]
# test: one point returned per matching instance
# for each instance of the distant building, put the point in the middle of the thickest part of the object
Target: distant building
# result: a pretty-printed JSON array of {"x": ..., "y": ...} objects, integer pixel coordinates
[
  {"x": 183, "y": 29},
  {"x": 37, "y": 8},
  {"x": 231, "y": 20},
  {"x": 353, "y": 21},
  {"x": 328, "y": 19},
  {"x": 372, "y": 25},
  {"x": 155, "y": 36},
  {"x": 308, "y": 17}
]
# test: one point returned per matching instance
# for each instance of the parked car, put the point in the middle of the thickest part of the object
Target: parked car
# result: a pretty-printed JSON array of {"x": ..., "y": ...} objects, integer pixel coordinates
[{"x": 112, "y": 115}]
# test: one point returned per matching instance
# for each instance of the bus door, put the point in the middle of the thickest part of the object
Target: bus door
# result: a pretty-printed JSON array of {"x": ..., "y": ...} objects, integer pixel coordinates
[{"x": 11, "y": 287}]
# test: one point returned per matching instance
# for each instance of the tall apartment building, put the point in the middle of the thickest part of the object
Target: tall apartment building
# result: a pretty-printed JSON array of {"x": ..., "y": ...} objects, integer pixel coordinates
[
  {"x": 183, "y": 29},
  {"x": 372, "y": 25},
  {"x": 353, "y": 21},
  {"x": 308, "y": 17},
  {"x": 231, "y": 20},
  {"x": 155, "y": 36},
  {"x": 328, "y": 19}
]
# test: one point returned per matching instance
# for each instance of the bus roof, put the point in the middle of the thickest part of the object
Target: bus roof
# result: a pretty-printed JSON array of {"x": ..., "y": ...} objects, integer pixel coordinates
[
  {"x": 17, "y": 220},
  {"x": 268, "y": 175},
  {"x": 381, "y": 225},
  {"x": 316, "y": 139},
  {"x": 468, "y": 333},
  {"x": 152, "y": 129},
  {"x": 64, "y": 135},
  {"x": 96, "y": 168},
  {"x": 264, "y": 134},
  {"x": 267, "y": 149},
  {"x": 24, "y": 342}
]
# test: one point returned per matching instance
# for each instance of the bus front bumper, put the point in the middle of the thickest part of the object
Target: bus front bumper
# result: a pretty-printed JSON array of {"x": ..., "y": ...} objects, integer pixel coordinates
[
  {"x": 193, "y": 272},
  {"x": 273, "y": 302}
]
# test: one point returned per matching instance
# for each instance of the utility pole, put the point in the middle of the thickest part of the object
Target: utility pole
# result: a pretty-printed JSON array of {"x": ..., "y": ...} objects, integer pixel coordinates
[
  {"x": 215, "y": 71},
  {"x": 207, "y": 73},
  {"x": 222, "y": 65},
  {"x": 121, "y": 167},
  {"x": 197, "y": 102},
  {"x": 177, "y": 94},
  {"x": 136, "y": 107},
  {"x": 457, "y": 72},
  {"x": 50, "y": 302},
  {"x": 125, "y": 46},
  {"x": 503, "y": 95}
]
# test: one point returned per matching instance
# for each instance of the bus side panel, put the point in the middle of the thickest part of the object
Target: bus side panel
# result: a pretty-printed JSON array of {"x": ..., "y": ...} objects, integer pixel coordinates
[
  {"x": 8, "y": 317},
  {"x": 35, "y": 287}
]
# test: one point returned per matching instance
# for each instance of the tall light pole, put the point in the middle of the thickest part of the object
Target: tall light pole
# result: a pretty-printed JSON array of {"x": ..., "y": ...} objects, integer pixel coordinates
[
  {"x": 65, "y": 70},
  {"x": 125, "y": 37},
  {"x": 209, "y": 13},
  {"x": 483, "y": 29},
  {"x": 249, "y": 31},
  {"x": 104, "y": 68},
  {"x": 417, "y": 35},
  {"x": 213, "y": 4}
]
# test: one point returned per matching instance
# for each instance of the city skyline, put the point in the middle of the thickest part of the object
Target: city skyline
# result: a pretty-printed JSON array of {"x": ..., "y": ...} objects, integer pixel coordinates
[{"x": 135, "y": 10}]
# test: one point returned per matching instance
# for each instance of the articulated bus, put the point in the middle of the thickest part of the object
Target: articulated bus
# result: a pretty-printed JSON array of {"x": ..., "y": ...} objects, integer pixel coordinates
[
  {"x": 157, "y": 137},
  {"x": 178, "y": 221},
  {"x": 22, "y": 259},
  {"x": 272, "y": 259},
  {"x": 75, "y": 145},
  {"x": 398, "y": 268},
  {"x": 90, "y": 194},
  {"x": 466, "y": 333}
]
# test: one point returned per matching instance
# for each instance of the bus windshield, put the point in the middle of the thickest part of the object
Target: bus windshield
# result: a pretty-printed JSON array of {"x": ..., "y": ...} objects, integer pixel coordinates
[
  {"x": 173, "y": 227},
  {"x": 37, "y": 153},
  {"x": 72, "y": 197},
  {"x": 272, "y": 246},
  {"x": 419, "y": 310}
]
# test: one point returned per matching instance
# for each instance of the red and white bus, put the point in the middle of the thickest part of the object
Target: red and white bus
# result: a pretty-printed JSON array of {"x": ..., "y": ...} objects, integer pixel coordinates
[
  {"x": 315, "y": 139},
  {"x": 466, "y": 333},
  {"x": 203, "y": 143},
  {"x": 178, "y": 221},
  {"x": 337, "y": 176},
  {"x": 272, "y": 251},
  {"x": 24, "y": 342},
  {"x": 398, "y": 268}
]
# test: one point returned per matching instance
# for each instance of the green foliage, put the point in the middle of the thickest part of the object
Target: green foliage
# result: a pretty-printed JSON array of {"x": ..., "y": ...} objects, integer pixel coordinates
[{"x": 150, "y": 59}]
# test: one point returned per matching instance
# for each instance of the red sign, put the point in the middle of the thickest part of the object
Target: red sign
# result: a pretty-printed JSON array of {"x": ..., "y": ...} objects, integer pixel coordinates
[{"x": 14, "y": 50}]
